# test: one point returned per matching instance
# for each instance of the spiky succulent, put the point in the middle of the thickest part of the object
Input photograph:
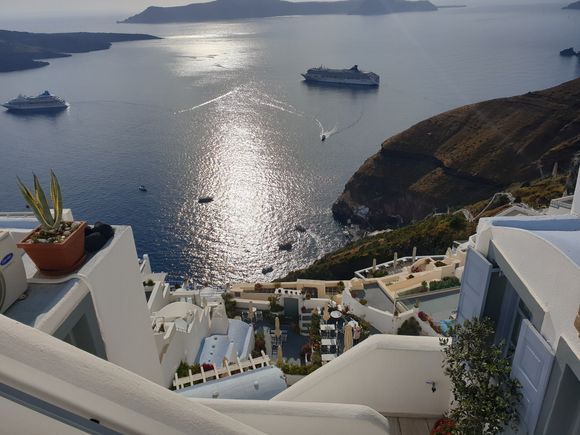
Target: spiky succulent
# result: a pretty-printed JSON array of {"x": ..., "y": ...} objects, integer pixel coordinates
[{"x": 39, "y": 205}]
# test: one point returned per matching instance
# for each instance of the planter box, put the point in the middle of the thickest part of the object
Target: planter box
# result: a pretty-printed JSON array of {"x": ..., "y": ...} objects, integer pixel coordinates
[{"x": 57, "y": 258}]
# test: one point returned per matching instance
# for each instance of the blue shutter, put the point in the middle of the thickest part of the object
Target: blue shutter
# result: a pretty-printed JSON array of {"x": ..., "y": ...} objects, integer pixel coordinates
[
  {"x": 474, "y": 283},
  {"x": 532, "y": 366}
]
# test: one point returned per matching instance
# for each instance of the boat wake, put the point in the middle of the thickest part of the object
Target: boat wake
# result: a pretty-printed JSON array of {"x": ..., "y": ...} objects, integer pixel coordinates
[
  {"x": 325, "y": 134},
  {"x": 249, "y": 95},
  {"x": 213, "y": 100}
]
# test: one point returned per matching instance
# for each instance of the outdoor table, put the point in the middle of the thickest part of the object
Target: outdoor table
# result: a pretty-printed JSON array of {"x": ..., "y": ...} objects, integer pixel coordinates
[
  {"x": 328, "y": 341},
  {"x": 327, "y": 327},
  {"x": 328, "y": 356},
  {"x": 336, "y": 314}
]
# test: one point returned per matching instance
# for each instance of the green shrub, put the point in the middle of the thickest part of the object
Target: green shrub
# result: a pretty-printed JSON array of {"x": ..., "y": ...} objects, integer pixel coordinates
[
  {"x": 434, "y": 234},
  {"x": 410, "y": 327},
  {"x": 485, "y": 396},
  {"x": 275, "y": 306},
  {"x": 230, "y": 305},
  {"x": 183, "y": 369},
  {"x": 363, "y": 301},
  {"x": 447, "y": 282}
]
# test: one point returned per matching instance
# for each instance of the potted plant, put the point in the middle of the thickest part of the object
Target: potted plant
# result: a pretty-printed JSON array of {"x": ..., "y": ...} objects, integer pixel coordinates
[{"x": 55, "y": 246}]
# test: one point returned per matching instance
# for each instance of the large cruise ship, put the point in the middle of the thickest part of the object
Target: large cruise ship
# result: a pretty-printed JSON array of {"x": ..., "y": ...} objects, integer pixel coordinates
[
  {"x": 42, "y": 102},
  {"x": 351, "y": 76}
]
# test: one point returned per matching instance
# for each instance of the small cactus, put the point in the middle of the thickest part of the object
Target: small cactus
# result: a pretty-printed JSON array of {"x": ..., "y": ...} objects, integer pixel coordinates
[{"x": 39, "y": 205}]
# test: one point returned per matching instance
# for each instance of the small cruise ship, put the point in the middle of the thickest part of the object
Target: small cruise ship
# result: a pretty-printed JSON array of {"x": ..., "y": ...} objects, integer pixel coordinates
[
  {"x": 351, "y": 76},
  {"x": 43, "y": 102}
]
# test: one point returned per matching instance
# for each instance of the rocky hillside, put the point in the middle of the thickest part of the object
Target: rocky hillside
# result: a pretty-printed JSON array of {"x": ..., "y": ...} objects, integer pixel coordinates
[
  {"x": 575, "y": 5},
  {"x": 463, "y": 156}
]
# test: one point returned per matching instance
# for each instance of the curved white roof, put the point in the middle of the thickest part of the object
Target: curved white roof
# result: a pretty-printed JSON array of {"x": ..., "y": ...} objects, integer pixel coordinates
[
  {"x": 177, "y": 310},
  {"x": 568, "y": 242}
]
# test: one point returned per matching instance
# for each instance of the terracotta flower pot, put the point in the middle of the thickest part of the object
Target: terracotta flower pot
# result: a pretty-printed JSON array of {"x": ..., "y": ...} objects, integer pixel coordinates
[{"x": 57, "y": 258}]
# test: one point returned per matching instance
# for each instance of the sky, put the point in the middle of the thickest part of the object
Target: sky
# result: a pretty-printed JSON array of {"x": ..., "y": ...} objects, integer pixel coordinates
[{"x": 79, "y": 7}]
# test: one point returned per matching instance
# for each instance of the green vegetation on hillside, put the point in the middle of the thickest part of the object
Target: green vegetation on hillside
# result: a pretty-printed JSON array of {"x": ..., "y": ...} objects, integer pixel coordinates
[
  {"x": 536, "y": 194},
  {"x": 431, "y": 236}
]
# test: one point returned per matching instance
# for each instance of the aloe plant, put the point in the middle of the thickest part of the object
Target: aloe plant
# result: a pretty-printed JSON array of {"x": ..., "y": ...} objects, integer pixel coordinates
[{"x": 39, "y": 205}]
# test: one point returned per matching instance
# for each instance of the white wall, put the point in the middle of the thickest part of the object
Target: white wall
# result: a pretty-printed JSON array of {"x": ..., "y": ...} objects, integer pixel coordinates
[
  {"x": 385, "y": 372},
  {"x": 576, "y": 201},
  {"x": 552, "y": 279},
  {"x": 116, "y": 288},
  {"x": 58, "y": 373},
  {"x": 384, "y": 321},
  {"x": 160, "y": 297},
  {"x": 185, "y": 346},
  {"x": 288, "y": 418}
]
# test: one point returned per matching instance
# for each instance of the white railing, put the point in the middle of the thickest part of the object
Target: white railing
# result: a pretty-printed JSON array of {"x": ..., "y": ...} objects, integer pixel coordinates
[
  {"x": 227, "y": 370},
  {"x": 564, "y": 202}
]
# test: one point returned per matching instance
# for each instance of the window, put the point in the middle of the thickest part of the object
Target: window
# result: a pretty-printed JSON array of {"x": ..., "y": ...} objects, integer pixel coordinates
[{"x": 522, "y": 312}]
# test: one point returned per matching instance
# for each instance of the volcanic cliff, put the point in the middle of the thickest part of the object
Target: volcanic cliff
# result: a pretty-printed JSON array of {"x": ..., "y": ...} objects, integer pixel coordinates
[{"x": 464, "y": 155}]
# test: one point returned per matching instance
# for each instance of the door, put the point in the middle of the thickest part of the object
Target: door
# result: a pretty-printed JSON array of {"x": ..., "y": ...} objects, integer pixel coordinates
[
  {"x": 531, "y": 366},
  {"x": 290, "y": 307},
  {"x": 474, "y": 284}
]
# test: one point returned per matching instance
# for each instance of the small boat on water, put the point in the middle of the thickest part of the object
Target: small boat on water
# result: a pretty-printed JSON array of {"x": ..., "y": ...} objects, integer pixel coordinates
[
  {"x": 142, "y": 188},
  {"x": 205, "y": 199},
  {"x": 300, "y": 228},
  {"x": 287, "y": 246},
  {"x": 41, "y": 103}
]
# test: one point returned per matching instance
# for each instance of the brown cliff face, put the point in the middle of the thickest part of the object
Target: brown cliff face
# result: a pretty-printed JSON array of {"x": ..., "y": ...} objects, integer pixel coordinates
[{"x": 464, "y": 155}]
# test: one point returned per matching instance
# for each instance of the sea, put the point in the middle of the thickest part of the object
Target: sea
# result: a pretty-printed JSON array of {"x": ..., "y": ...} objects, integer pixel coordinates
[{"x": 219, "y": 109}]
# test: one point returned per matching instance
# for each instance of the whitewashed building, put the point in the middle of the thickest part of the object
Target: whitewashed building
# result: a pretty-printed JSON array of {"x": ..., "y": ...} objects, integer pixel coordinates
[{"x": 524, "y": 273}]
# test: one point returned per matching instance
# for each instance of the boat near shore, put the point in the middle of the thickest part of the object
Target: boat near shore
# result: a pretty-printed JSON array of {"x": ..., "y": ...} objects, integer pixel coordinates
[{"x": 41, "y": 103}]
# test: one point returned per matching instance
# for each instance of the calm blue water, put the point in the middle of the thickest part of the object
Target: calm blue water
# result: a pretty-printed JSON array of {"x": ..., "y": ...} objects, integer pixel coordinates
[{"x": 220, "y": 109}]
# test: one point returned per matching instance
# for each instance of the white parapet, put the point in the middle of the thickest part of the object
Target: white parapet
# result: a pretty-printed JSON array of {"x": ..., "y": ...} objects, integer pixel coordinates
[
  {"x": 61, "y": 379},
  {"x": 290, "y": 418},
  {"x": 116, "y": 289},
  {"x": 60, "y": 375},
  {"x": 389, "y": 373}
]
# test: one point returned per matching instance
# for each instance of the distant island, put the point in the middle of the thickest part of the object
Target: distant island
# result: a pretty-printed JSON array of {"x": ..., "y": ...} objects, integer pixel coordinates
[
  {"x": 575, "y": 5},
  {"x": 239, "y": 9},
  {"x": 22, "y": 50}
]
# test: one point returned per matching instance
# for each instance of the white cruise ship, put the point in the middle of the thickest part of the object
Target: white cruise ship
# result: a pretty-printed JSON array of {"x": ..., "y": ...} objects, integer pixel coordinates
[
  {"x": 352, "y": 76},
  {"x": 42, "y": 102}
]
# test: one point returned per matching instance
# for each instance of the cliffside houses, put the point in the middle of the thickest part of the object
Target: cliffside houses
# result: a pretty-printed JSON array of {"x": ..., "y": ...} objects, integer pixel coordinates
[
  {"x": 404, "y": 286},
  {"x": 90, "y": 352}
]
